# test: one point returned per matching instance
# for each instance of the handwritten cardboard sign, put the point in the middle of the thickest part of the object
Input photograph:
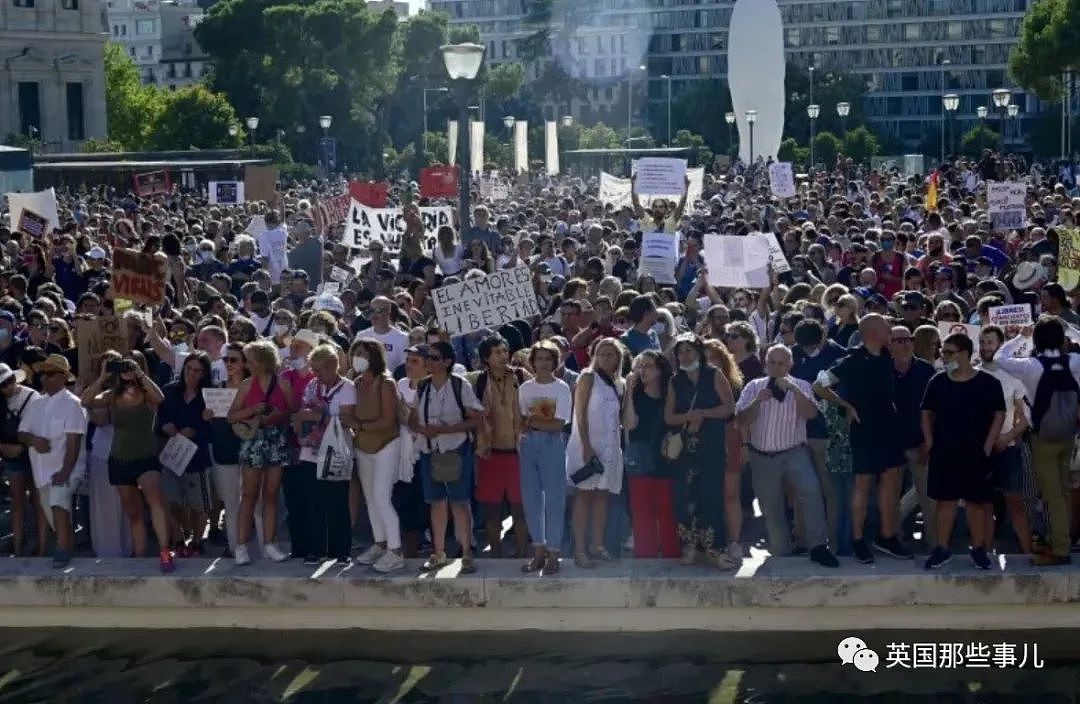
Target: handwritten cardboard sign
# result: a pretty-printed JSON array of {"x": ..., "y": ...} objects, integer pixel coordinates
[
  {"x": 138, "y": 277},
  {"x": 152, "y": 183},
  {"x": 96, "y": 336},
  {"x": 488, "y": 302},
  {"x": 219, "y": 401},
  {"x": 32, "y": 224}
]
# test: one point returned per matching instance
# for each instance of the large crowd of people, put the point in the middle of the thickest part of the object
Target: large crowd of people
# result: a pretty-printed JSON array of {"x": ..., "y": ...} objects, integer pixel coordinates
[{"x": 632, "y": 417}]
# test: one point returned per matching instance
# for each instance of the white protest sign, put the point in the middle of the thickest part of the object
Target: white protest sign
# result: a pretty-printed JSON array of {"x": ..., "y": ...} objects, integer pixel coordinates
[
  {"x": 488, "y": 302},
  {"x": 387, "y": 225},
  {"x": 218, "y": 401},
  {"x": 41, "y": 202},
  {"x": 777, "y": 258},
  {"x": 226, "y": 192},
  {"x": 659, "y": 255},
  {"x": 340, "y": 275},
  {"x": 330, "y": 288},
  {"x": 737, "y": 262},
  {"x": 971, "y": 331},
  {"x": 1006, "y": 204},
  {"x": 616, "y": 191},
  {"x": 660, "y": 175},
  {"x": 257, "y": 226},
  {"x": 177, "y": 454},
  {"x": 782, "y": 179},
  {"x": 1017, "y": 315}
]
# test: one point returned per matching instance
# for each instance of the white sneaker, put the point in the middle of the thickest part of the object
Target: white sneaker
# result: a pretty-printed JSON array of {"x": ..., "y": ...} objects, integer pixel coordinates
[
  {"x": 274, "y": 553},
  {"x": 371, "y": 555},
  {"x": 390, "y": 561},
  {"x": 241, "y": 557}
]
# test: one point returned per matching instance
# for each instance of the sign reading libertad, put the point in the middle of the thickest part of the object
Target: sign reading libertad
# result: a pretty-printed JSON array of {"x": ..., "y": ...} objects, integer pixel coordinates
[{"x": 488, "y": 302}]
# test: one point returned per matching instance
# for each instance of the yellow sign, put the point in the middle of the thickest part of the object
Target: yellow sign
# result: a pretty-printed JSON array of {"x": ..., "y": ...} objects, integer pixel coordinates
[{"x": 1069, "y": 258}]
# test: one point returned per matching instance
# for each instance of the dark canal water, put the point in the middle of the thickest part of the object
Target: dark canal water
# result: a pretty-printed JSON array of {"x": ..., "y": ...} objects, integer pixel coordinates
[{"x": 238, "y": 667}]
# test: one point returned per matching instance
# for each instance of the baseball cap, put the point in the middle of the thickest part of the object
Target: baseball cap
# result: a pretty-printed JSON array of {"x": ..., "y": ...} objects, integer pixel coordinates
[
  {"x": 7, "y": 373},
  {"x": 96, "y": 253}
]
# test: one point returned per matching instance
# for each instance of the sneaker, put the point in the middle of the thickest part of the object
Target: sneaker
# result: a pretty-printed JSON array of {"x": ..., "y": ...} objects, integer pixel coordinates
[
  {"x": 980, "y": 559},
  {"x": 892, "y": 547},
  {"x": 312, "y": 560},
  {"x": 390, "y": 561},
  {"x": 273, "y": 552},
  {"x": 735, "y": 552},
  {"x": 823, "y": 556},
  {"x": 721, "y": 560},
  {"x": 167, "y": 564},
  {"x": 60, "y": 560},
  {"x": 371, "y": 555},
  {"x": 435, "y": 562},
  {"x": 242, "y": 558},
  {"x": 862, "y": 553},
  {"x": 938, "y": 558}
]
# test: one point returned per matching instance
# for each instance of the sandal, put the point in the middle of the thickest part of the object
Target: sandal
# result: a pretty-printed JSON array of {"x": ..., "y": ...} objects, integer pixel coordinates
[
  {"x": 551, "y": 563},
  {"x": 535, "y": 564},
  {"x": 468, "y": 565},
  {"x": 435, "y": 562},
  {"x": 601, "y": 554},
  {"x": 582, "y": 560}
]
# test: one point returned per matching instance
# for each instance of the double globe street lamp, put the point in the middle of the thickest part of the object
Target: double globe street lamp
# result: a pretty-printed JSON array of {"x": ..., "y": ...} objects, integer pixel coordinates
[
  {"x": 951, "y": 102},
  {"x": 1002, "y": 97},
  {"x": 463, "y": 62},
  {"x": 813, "y": 111}
]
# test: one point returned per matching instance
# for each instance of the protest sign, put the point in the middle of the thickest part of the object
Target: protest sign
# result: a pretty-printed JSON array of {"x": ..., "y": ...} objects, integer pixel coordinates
[
  {"x": 777, "y": 258},
  {"x": 152, "y": 183},
  {"x": 177, "y": 454},
  {"x": 32, "y": 224},
  {"x": 439, "y": 182},
  {"x": 971, "y": 331},
  {"x": 226, "y": 192},
  {"x": 737, "y": 262},
  {"x": 329, "y": 288},
  {"x": 260, "y": 183},
  {"x": 659, "y": 255},
  {"x": 387, "y": 225},
  {"x": 139, "y": 277},
  {"x": 257, "y": 226},
  {"x": 616, "y": 191},
  {"x": 782, "y": 179},
  {"x": 218, "y": 401},
  {"x": 369, "y": 193},
  {"x": 1006, "y": 204},
  {"x": 41, "y": 202},
  {"x": 1017, "y": 315},
  {"x": 340, "y": 275},
  {"x": 1069, "y": 258},
  {"x": 488, "y": 302},
  {"x": 660, "y": 175},
  {"x": 96, "y": 336},
  {"x": 331, "y": 212}
]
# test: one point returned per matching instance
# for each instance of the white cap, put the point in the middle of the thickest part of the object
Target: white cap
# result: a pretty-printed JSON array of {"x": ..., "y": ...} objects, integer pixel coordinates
[
  {"x": 7, "y": 372},
  {"x": 330, "y": 303},
  {"x": 96, "y": 253}
]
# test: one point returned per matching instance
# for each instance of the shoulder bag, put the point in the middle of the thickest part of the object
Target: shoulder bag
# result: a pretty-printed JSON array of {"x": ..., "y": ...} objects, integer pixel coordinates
[
  {"x": 671, "y": 447},
  {"x": 445, "y": 466},
  {"x": 246, "y": 429}
]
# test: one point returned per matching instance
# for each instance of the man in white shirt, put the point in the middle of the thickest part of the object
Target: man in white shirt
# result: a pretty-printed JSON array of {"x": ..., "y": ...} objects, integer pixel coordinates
[
  {"x": 393, "y": 340},
  {"x": 273, "y": 246},
  {"x": 53, "y": 427},
  {"x": 775, "y": 409}
]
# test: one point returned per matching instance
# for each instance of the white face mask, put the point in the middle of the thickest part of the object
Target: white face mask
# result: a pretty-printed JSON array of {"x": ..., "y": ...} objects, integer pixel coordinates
[
  {"x": 205, "y": 255},
  {"x": 692, "y": 367},
  {"x": 280, "y": 329},
  {"x": 658, "y": 328},
  {"x": 299, "y": 363},
  {"x": 360, "y": 364},
  {"x": 952, "y": 367}
]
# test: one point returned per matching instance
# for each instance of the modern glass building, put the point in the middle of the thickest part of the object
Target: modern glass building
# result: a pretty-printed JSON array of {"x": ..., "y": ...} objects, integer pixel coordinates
[{"x": 910, "y": 52}]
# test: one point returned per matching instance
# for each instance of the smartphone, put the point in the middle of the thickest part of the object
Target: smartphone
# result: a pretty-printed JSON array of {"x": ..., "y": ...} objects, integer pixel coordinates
[{"x": 114, "y": 366}]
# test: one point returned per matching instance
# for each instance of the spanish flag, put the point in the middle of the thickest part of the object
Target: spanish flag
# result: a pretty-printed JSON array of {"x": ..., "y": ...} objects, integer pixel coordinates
[{"x": 931, "y": 193}]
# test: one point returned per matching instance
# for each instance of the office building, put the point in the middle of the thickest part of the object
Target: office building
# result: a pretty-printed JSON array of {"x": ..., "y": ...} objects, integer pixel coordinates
[{"x": 159, "y": 35}]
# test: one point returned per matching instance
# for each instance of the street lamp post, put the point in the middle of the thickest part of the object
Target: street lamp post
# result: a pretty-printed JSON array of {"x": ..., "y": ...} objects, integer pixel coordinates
[
  {"x": 1014, "y": 113},
  {"x": 426, "y": 91},
  {"x": 729, "y": 118},
  {"x": 843, "y": 109},
  {"x": 668, "y": 79},
  {"x": 951, "y": 101},
  {"x": 1002, "y": 98},
  {"x": 944, "y": 87},
  {"x": 508, "y": 122},
  {"x": 813, "y": 110},
  {"x": 751, "y": 118},
  {"x": 300, "y": 130},
  {"x": 567, "y": 120},
  {"x": 462, "y": 63},
  {"x": 325, "y": 144},
  {"x": 252, "y": 125},
  {"x": 980, "y": 112},
  {"x": 630, "y": 102}
]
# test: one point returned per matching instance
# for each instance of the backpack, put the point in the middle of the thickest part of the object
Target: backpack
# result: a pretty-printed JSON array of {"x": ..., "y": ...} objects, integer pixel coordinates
[
  {"x": 1056, "y": 408},
  {"x": 482, "y": 381},
  {"x": 424, "y": 387},
  {"x": 9, "y": 429}
]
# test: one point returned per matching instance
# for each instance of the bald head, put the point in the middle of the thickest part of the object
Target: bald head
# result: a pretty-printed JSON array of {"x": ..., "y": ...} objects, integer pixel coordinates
[
  {"x": 874, "y": 330},
  {"x": 778, "y": 361}
]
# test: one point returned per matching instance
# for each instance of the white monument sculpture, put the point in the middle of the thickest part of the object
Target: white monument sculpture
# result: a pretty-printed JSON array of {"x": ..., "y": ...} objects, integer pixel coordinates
[{"x": 756, "y": 75}]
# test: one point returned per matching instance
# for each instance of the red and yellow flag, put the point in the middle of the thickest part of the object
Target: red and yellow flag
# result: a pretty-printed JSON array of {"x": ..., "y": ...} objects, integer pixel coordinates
[{"x": 931, "y": 193}]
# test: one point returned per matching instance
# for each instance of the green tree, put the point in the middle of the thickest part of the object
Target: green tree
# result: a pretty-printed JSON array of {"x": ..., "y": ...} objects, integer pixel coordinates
[
  {"x": 860, "y": 144},
  {"x": 978, "y": 138},
  {"x": 700, "y": 109},
  {"x": 700, "y": 154},
  {"x": 599, "y": 136},
  {"x": 787, "y": 150},
  {"x": 826, "y": 146},
  {"x": 504, "y": 81},
  {"x": 101, "y": 146},
  {"x": 1046, "y": 49},
  {"x": 438, "y": 148},
  {"x": 131, "y": 107},
  {"x": 195, "y": 118},
  {"x": 830, "y": 88}
]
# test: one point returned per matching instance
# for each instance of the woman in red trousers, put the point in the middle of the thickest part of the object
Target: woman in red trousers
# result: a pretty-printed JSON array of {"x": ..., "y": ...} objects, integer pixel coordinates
[{"x": 652, "y": 510}]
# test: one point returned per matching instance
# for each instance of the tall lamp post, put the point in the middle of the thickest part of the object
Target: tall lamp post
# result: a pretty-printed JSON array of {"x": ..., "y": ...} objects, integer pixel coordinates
[
  {"x": 729, "y": 118},
  {"x": 252, "y": 125},
  {"x": 951, "y": 101},
  {"x": 567, "y": 120},
  {"x": 300, "y": 130},
  {"x": 813, "y": 110},
  {"x": 751, "y": 118},
  {"x": 630, "y": 102},
  {"x": 1002, "y": 98},
  {"x": 843, "y": 109},
  {"x": 668, "y": 79},
  {"x": 426, "y": 91},
  {"x": 944, "y": 87},
  {"x": 327, "y": 148},
  {"x": 1014, "y": 113},
  {"x": 462, "y": 63},
  {"x": 980, "y": 112}
]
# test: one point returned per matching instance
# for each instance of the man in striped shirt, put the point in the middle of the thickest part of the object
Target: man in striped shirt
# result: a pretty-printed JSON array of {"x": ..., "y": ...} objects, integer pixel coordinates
[{"x": 775, "y": 409}]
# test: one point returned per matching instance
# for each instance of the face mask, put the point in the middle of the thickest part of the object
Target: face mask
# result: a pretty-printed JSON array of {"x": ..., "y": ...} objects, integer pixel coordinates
[
  {"x": 658, "y": 328},
  {"x": 952, "y": 367},
  {"x": 692, "y": 367},
  {"x": 205, "y": 255},
  {"x": 280, "y": 330},
  {"x": 887, "y": 245},
  {"x": 360, "y": 364},
  {"x": 299, "y": 363}
]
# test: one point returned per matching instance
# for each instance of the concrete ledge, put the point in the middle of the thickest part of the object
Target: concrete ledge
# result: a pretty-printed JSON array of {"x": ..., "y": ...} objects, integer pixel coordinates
[{"x": 782, "y": 594}]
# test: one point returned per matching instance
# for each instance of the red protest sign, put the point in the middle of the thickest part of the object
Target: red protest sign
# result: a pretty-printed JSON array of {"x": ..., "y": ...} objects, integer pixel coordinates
[
  {"x": 138, "y": 277},
  {"x": 439, "y": 182},
  {"x": 369, "y": 193},
  {"x": 152, "y": 183}
]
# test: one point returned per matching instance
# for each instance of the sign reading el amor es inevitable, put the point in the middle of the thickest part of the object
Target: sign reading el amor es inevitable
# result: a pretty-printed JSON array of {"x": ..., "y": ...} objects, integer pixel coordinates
[{"x": 487, "y": 302}]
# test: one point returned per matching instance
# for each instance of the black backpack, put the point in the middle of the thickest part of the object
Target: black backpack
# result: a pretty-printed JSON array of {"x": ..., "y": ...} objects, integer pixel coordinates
[{"x": 1056, "y": 409}]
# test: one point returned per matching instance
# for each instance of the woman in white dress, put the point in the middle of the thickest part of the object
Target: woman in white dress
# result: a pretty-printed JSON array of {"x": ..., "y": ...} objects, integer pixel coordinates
[{"x": 596, "y": 432}]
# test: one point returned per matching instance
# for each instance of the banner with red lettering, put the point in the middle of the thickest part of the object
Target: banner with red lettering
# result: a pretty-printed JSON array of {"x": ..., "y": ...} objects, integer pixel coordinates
[
  {"x": 139, "y": 277},
  {"x": 331, "y": 212},
  {"x": 152, "y": 183},
  {"x": 439, "y": 182},
  {"x": 370, "y": 193}
]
